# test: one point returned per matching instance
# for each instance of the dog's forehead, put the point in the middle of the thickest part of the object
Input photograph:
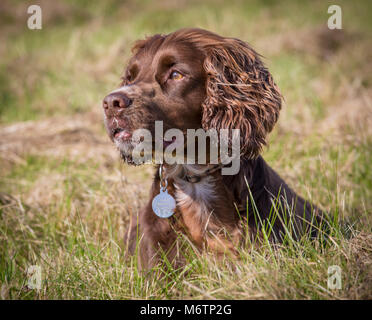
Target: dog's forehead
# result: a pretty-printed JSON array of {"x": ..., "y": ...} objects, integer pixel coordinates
[{"x": 148, "y": 58}]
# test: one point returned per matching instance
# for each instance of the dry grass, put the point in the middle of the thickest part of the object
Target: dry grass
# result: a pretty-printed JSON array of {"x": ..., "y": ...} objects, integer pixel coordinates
[{"x": 65, "y": 198}]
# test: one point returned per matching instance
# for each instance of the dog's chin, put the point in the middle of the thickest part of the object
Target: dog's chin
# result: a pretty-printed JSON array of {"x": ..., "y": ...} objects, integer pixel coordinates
[
  {"x": 130, "y": 155},
  {"x": 126, "y": 150},
  {"x": 128, "y": 159}
]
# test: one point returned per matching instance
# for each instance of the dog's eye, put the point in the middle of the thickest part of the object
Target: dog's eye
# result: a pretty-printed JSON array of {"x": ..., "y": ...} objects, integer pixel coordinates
[{"x": 175, "y": 75}]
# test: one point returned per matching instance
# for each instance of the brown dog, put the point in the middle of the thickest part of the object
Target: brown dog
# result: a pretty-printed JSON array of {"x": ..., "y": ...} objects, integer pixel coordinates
[{"x": 192, "y": 79}]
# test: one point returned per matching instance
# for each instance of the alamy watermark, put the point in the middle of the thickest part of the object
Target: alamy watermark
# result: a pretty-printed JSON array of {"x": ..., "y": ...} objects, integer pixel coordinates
[
  {"x": 34, "y": 277},
  {"x": 34, "y": 21},
  {"x": 224, "y": 147},
  {"x": 335, "y": 20},
  {"x": 334, "y": 277}
]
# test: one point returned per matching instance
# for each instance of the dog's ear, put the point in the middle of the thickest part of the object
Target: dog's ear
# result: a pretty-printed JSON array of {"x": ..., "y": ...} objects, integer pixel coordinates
[{"x": 241, "y": 94}]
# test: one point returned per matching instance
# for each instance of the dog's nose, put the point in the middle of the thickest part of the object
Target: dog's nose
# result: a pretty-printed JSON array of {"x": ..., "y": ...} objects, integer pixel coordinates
[{"x": 116, "y": 100}]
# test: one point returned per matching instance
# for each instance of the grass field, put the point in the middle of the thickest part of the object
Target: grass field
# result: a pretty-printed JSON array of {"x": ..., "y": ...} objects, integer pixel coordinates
[{"x": 65, "y": 197}]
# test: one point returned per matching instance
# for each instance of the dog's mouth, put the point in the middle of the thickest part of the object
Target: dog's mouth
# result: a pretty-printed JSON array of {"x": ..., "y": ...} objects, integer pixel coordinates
[
  {"x": 123, "y": 139},
  {"x": 121, "y": 134}
]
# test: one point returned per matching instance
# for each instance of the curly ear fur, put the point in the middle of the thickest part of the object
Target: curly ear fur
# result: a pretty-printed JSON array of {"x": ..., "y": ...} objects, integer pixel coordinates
[{"x": 241, "y": 94}]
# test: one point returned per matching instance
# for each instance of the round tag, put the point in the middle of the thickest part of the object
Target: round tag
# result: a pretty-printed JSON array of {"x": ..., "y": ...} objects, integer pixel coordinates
[{"x": 163, "y": 204}]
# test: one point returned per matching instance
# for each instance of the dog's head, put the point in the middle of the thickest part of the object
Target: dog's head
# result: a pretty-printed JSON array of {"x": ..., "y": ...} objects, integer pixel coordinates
[{"x": 192, "y": 79}]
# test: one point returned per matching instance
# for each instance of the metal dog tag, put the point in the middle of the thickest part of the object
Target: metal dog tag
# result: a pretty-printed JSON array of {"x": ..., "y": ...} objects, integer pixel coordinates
[{"x": 163, "y": 204}]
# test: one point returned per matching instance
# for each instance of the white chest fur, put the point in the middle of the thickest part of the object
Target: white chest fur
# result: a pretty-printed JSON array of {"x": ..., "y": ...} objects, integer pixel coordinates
[{"x": 197, "y": 197}]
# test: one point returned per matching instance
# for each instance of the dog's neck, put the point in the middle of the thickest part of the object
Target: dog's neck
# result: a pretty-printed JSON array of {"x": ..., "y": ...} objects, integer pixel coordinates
[{"x": 190, "y": 189}]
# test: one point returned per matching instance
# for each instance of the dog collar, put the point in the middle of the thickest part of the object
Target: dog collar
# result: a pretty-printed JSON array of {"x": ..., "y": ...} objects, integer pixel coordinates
[{"x": 195, "y": 178}]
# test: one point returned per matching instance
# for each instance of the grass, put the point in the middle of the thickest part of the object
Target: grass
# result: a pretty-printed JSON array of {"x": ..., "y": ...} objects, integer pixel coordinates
[{"x": 65, "y": 198}]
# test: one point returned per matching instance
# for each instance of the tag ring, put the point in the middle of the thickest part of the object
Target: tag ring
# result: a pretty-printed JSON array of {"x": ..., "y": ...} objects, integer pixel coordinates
[{"x": 163, "y": 182}]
